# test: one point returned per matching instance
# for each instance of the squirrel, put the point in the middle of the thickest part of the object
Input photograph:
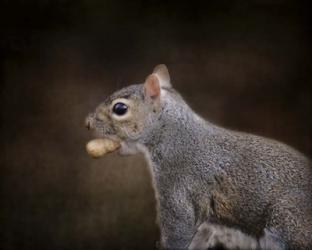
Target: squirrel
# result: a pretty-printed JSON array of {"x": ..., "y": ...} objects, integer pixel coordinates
[{"x": 203, "y": 173}]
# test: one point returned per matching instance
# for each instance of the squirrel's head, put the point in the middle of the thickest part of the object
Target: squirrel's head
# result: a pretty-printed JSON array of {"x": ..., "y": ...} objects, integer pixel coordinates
[{"x": 129, "y": 113}]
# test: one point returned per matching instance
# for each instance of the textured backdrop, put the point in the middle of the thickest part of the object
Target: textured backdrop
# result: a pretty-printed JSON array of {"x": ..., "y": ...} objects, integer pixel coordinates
[{"x": 245, "y": 65}]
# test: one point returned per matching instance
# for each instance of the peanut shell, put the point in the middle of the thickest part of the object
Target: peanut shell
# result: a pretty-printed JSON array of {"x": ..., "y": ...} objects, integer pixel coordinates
[{"x": 99, "y": 147}]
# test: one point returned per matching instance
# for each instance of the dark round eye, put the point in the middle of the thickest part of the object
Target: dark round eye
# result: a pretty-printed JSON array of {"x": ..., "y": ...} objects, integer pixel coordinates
[{"x": 120, "y": 108}]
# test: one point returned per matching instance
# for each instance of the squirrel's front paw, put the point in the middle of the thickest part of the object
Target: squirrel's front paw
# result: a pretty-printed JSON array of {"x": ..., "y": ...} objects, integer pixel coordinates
[{"x": 213, "y": 236}]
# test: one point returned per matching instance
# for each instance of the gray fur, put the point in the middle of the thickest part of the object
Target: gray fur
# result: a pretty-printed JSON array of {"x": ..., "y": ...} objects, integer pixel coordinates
[{"x": 205, "y": 173}]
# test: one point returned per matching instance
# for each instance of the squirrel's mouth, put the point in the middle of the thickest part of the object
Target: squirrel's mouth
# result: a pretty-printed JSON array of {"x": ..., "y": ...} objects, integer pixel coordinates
[
  {"x": 107, "y": 140},
  {"x": 99, "y": 128}
]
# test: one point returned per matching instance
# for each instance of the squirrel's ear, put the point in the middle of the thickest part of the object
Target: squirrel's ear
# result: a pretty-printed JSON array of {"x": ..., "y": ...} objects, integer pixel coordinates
[
  {"x": 152, "y": 87},
  {"x": 162, "y": 73}
]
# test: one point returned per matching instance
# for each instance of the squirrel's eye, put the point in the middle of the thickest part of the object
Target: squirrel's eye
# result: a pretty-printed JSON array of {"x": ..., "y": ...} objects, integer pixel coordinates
[{"x": 120, "y": 108}]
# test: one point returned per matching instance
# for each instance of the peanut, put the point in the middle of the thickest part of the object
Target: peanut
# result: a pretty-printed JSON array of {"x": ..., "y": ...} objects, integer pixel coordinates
[{"x": 99, "y": 147}]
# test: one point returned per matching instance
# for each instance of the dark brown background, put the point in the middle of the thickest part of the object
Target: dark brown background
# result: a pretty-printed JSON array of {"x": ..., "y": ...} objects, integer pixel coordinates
[{"x": 245, "y": 65}]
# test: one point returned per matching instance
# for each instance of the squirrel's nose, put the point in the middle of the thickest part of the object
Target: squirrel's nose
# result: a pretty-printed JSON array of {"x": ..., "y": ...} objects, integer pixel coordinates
[
  {"x": 88, "y": 122},
  {"x": 88, "y": 125}
]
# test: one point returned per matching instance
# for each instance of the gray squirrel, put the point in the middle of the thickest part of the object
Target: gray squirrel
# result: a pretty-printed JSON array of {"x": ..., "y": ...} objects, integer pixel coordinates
[{"x": 205, "y": 174}]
